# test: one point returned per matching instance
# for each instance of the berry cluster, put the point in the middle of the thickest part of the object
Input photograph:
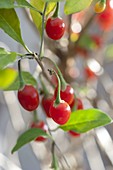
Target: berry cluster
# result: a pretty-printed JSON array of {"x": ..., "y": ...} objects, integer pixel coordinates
[
  {"x": 59, "y": 105},
  {"x": 60, "y": 112}
]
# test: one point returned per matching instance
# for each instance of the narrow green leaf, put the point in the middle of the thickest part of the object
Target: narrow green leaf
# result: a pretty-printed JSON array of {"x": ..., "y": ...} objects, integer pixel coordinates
[
  {"x": 3, "y": 50},
  {"x": 28, "y": 79},
  {"x": 28, "y": 136},
  {"x": 6, "y": 3},
  {"x": 84, "y": 120},
  {"x": 73, "y": 6},
  {"x": 6, "y": 58},
  {"x": 53, "y": 0},
  {"x": 9, "y": 22},
  {"x": 7, "y": 77},
  {"x": 37, "y": 18},
  {"x": 25, "y": 4}
]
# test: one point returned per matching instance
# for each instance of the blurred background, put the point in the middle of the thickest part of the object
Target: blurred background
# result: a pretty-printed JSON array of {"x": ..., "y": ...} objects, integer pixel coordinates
[{"x": 85, "y": 57}]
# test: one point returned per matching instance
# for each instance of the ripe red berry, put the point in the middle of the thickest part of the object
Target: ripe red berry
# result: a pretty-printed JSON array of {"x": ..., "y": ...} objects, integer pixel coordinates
[
  {"x": 73, "y": 133},
  {"x": 46, "y": 103},
  {"x": 60, "y": 113},
  {"x": 72, "y": 104},
  {"x": 40, "y": 125},
  {"x": 55, "y": 28},
  {"x": 67, "y": 95},
  {"x": 78, "y": 103},
  {"x": 28, "y": 97}
]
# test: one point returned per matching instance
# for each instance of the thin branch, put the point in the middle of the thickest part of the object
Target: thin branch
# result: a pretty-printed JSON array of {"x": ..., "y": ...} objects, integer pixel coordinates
[
  {"x": 42, "y": 36},
  {"x": 58, "y": 148},
  {"x": 62, "y": 156}
]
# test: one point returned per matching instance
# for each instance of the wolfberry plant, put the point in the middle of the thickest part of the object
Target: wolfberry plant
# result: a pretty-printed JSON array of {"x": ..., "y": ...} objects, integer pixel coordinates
[{"x": 59, "y": 33}]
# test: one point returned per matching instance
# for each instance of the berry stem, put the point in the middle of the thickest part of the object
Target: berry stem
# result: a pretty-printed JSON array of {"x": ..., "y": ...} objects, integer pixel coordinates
[
  {"x": 57, "y": 147},
  {"x": 54, "y": 164},
  {"x": 35, "y": 117},
  {"x": 20, "y": 75},
  {"x": 58, "y": 99},
  {"x": 42, "y": 33},
  {"x": 56, "y": 14},
  {"x": 63, "y": 82}
]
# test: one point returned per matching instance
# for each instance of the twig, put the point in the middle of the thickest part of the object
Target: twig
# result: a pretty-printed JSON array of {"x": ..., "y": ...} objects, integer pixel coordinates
[
  {"x": 58, "y": 148},
  {"x": 42, "y": 36},
  {"x": 62, "y": 155}
]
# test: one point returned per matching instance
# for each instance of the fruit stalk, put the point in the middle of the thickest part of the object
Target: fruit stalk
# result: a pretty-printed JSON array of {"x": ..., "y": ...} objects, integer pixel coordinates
[
  {"x": 42, "y": 33},
  {"x": 20, "y": 75}
]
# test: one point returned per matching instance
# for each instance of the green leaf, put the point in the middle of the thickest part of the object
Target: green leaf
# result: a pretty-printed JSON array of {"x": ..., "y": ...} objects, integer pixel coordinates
[
  {"x": 24, "y": 3},
  {"x": 73, "y": 6},
  {"x": 6, "y": 3},
  {"x": 7, "y": 77},
  {"x": 53, "y": 0},
  {"x": 37, "y": 18},
  {"x": 84, "y": 120},
  {"x": 9, "y": 22},
  {"x": 6, "y": 58},
  {"x": 28, "y": 79},
  {"x": 28, "y": 136}
]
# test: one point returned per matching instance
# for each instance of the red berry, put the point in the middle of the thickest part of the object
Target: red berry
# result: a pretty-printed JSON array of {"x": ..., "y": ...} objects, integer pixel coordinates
[
  {"x": 78, "y": 103},
  {"x": 67, "y": 95},
  {"x": 40, "y": 125},
  {"x": 46, "y": 103},
  {"x": 55, "y": 28},
  {"x": 73, "y": 133},
  {"x": 28, "y": 97},
  {"x": 60, "y": 113},
  {"x": 72, "y": 104}
]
